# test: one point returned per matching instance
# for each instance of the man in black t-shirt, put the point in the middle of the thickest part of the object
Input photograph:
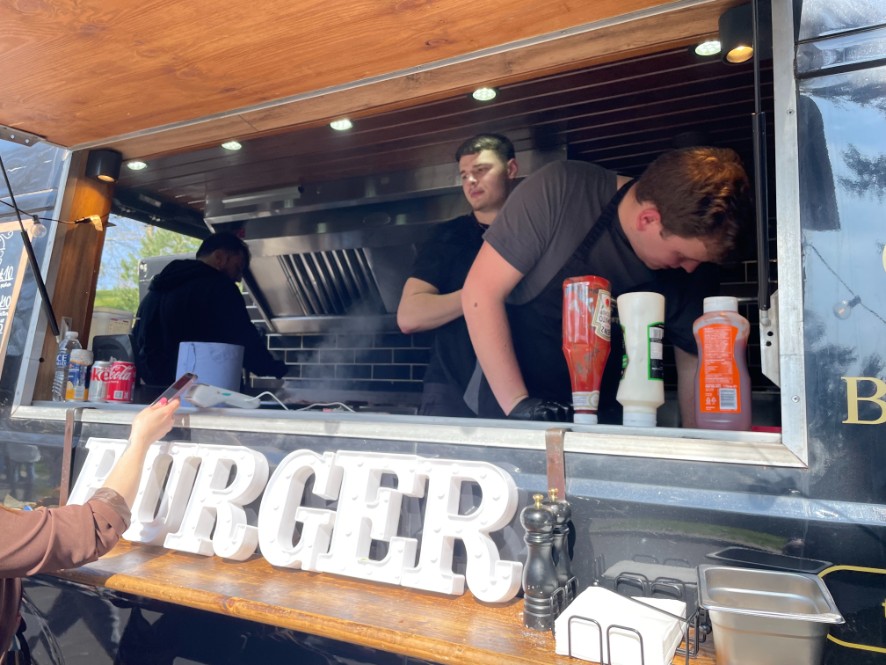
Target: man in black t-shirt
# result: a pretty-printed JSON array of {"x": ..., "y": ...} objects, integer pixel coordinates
[
  {"x": 574, "y": 218},
  {"x": 431, "y": 298}
]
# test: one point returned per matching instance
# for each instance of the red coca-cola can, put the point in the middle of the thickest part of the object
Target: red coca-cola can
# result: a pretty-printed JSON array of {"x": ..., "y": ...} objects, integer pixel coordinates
[
  {"x": 121, "y": 381},
  {"x": 587, "y": 312},
  {"x": 98, "y": 381}
]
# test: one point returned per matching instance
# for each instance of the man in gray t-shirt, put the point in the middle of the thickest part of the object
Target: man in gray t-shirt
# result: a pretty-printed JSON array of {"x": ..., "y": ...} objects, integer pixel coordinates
[{"x": 573, "y": 218}]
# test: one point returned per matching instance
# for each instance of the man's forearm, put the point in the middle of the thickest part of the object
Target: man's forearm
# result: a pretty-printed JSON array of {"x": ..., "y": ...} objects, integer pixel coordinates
[
  {"x": 426, "y": 311},
  {"x": 491, "y": 336}
]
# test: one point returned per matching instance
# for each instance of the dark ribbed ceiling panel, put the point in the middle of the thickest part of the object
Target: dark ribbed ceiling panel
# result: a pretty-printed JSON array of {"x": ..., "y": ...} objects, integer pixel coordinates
[{"x": 620, "y": 114}]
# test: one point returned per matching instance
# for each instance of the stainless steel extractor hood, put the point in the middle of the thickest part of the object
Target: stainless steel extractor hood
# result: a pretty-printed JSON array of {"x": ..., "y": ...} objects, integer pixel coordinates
[{"x": 336, "y": 255}]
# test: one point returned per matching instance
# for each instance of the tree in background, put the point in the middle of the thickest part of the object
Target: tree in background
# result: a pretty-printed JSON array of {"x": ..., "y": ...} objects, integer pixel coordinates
[{"x": 127, "y": 243}]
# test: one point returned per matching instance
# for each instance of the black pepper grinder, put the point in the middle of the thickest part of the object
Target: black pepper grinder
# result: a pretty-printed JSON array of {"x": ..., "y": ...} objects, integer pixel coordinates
[
  {"x": 539, "y": 575},
  {"x": 562, "y": 512}
]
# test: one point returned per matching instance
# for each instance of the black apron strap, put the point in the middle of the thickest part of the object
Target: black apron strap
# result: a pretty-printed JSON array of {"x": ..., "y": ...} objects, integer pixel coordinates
[
  {"x": 541, "y": 361},
  {"x": 605, "y": 221}
]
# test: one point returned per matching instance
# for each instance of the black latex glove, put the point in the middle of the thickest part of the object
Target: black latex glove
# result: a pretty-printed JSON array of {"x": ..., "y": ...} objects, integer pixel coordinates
[{"x": 533, "y": 408}]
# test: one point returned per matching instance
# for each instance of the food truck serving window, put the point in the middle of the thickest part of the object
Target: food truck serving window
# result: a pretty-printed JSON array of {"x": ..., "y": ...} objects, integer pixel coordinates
[{"x": 787, "y": 447}]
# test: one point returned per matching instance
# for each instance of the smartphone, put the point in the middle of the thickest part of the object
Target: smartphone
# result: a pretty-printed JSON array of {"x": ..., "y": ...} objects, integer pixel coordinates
[{"x": 180, "y": 386}]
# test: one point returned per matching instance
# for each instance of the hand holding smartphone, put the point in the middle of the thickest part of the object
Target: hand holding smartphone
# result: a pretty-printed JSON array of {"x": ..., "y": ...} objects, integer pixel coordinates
[{"x": 179, "y": 387}]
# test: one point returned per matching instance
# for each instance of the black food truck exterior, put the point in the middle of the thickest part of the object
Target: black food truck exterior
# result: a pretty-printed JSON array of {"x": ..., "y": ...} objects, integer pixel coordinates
[{"x": 647, "y": 508}]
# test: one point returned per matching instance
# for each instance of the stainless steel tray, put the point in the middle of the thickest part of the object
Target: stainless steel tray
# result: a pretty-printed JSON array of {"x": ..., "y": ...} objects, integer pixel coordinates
[
  {"x": 776, "y": 594},
  {"x": 766, "y": 617}
]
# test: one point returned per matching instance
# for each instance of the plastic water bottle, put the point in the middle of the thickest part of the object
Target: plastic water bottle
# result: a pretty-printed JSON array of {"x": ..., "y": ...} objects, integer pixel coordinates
[
  {"x": 78, "y": 371},
  {"x": 62, "y": 360}
]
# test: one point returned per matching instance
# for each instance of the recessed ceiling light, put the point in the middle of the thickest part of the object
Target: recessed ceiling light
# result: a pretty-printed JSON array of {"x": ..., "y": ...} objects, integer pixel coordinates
[
  {"x": 741, "y": 53},
  {"x": 710, "y": 47},
  {"x": 232, "y": 145},
  {"x": 136, "y": 165},
  {"x": 484, "y": 94},
  {"x": 341, "y": 125}
]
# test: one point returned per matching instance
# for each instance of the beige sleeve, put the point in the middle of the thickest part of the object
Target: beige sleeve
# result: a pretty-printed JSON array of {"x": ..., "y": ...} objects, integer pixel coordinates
[{"x": 50, "y": 539}]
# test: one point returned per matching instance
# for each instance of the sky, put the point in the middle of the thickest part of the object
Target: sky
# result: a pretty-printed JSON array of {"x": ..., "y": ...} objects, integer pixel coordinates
[{"x": 122, "y": 240}]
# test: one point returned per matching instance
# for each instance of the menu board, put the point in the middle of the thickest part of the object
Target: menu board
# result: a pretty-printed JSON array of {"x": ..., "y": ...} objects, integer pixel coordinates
[{"x": 13, "y": 263}]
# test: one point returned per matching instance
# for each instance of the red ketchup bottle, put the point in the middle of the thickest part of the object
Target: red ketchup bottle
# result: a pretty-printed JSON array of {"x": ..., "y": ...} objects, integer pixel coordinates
[
  {"x": 722, "y": 382},
  {"x": 587, "y": 309}
]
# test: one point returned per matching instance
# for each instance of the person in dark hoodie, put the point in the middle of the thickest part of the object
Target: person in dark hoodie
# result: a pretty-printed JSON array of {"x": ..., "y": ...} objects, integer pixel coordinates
[{"x": 197, "y": 300}]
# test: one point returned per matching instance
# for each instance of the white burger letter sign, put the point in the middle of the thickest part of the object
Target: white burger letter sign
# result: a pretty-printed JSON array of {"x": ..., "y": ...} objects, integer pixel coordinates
[{"x": 192, "y": 498}]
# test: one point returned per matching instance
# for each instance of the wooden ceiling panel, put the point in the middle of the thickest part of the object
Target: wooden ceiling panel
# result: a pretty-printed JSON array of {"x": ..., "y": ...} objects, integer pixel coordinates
[
  {"x": 84, "y": 71},
  {"x": 169, "y": 81}
]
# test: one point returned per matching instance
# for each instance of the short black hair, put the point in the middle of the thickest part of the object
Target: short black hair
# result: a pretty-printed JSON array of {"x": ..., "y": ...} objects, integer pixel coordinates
[
  {"x": 224, "y": 241},
  {"x": 499, "y": 144}
]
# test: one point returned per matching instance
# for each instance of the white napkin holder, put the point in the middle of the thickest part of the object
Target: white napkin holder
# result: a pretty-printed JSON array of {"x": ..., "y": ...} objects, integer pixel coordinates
[{"x": 662, "y": 632}]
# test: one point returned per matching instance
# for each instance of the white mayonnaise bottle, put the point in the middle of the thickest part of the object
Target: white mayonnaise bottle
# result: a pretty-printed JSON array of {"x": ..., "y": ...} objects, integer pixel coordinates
[{"x": 641, "y": 389}]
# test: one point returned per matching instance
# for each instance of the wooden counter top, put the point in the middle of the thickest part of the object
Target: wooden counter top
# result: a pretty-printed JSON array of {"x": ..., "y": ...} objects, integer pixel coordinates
[{"x": 438, "y": 628}]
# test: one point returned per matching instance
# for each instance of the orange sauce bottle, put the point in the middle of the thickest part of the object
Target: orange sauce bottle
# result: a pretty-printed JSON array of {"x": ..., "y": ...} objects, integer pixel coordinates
[{"x": 722, "y": 382}]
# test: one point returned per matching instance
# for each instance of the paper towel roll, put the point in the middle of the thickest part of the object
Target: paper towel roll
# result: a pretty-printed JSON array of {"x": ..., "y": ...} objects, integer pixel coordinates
[{"x": 214, "y": 363}]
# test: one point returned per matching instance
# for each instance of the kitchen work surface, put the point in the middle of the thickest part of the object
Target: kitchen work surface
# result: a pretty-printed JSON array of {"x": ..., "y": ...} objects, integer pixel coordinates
[{"x": 438, "y": 628}]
